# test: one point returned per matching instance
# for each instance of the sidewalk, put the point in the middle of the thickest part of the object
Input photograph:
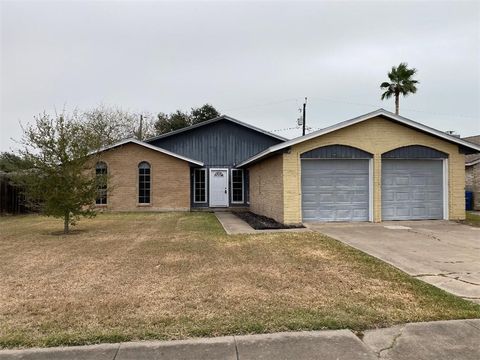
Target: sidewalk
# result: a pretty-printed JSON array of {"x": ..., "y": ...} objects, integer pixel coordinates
[{"x": 457, "y": 339}]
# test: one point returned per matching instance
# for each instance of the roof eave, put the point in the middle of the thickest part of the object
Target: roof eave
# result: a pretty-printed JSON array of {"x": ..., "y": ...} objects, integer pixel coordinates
[
  {"x": 154, "y": 148},
  {"x": 343, "y": 124},
  {"x": 218, "y": 118}
]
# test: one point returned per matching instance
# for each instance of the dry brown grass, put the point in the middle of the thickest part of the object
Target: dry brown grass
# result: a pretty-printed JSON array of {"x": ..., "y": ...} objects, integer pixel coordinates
[{"x": 177, "y": 275}]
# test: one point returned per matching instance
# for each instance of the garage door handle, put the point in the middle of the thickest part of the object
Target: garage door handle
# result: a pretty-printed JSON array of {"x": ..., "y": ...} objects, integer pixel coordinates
[{"x": 225, "y": 190}]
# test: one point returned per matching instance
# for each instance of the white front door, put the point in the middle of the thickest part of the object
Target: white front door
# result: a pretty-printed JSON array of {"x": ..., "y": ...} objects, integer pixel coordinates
[{"x": 218, "y": 187}]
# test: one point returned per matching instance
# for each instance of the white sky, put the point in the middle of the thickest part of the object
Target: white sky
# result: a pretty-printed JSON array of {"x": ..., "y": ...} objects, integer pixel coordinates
[{"x": 252, "y": 60}]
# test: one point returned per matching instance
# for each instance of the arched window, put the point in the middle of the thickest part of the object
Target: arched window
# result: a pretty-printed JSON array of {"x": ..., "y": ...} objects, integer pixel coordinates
[
  {"x": 101, "y": 172},
  {"x": 144, "y": 183}
]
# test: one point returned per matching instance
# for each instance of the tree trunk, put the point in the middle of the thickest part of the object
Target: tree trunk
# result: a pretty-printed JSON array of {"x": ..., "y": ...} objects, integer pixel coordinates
[
  {"x": 397, "y": 103},
  {"x": 66, "y": 223}
]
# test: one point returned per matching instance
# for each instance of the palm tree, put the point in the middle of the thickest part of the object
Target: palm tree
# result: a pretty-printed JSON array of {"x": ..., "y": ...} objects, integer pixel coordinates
[{"x": 401, "y": 82}]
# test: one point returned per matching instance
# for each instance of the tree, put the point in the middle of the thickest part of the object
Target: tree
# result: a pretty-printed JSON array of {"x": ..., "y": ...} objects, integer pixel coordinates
[
  {"x": 112, "y": 124},
  {"x": 58, "y": 174},
  {"x": 401, "y": 83},
  {"x": 203, "y": 113},
  {"x": 179, "y": 119},
  {"x": 10, "y": 162},
  {"x": 171, "y": 122}
]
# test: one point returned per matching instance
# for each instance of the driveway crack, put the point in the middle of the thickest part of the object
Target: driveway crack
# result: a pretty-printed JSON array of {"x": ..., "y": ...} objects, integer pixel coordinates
[
  {"x": 236, "y": 347},
  {"x": 448, "y": 275},
  {"x": 116, "y": 352},
  {"x": 381, "y": 352},
  {"x": 426, "y": 234}
]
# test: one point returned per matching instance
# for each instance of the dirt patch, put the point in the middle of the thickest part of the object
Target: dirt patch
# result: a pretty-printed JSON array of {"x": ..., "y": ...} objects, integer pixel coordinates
[{"x": 259, "y": 222}]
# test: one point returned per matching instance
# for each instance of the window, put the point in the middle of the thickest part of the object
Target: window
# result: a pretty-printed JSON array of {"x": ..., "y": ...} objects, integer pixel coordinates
[
  {"x": 237, "y": 186},
  {"x": 144, "y": 183},
  {"x": 101, "y": 178},
  {"x": 199, "y": 186}
]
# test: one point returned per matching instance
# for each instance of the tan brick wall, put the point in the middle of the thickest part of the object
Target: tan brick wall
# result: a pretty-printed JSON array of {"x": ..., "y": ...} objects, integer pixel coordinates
[
  {"x": 375, "y": 136},
  {"x": 472, "y": 175},
  {"x": 170, "y": 179},
  {"x": 266, "y": 184}
]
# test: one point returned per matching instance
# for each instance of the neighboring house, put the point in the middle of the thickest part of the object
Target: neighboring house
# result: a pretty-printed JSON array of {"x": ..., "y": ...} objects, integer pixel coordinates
[
  {"x": 379, "y": 166},
  {"x": 472, "y": 172}
]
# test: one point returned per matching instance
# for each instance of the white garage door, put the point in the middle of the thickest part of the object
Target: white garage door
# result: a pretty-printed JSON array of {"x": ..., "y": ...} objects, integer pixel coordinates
[
  {"x": 335, "y": 190},
  {"x": 412, "y": 189}
]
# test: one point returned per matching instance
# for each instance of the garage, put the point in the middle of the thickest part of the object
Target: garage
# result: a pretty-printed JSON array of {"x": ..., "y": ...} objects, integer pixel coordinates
[
  {"x": 335, "y": 184},
  {"x": 413, "y": 184}
]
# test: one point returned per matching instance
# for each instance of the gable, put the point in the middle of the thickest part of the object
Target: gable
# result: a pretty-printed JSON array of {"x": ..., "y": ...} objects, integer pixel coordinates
[
  {"x": 389, "y": 118},
  {"x": 219, "y": 143},
  {"x": 377, "y": 135}
]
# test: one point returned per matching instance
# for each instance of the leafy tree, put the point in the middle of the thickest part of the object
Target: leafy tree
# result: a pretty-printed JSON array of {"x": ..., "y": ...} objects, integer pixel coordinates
[
  {"x": 179, "y": 119},
  {"x": 401, "y": 83},
  {"x": 10, "y": 162},
  {"x": 203, "y": 113},
  {"x": 172, "y": 122},
  {"x": 58, "y": 174}
]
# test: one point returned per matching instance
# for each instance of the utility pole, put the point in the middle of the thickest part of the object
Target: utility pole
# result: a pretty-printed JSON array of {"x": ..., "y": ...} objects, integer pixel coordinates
[
  {"x": 141, "y": 128},
  {"x": 304, "y": 116}
]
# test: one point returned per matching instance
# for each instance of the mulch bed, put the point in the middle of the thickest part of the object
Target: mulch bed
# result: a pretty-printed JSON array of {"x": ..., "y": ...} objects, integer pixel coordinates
[{"x": 259, "y": 222}]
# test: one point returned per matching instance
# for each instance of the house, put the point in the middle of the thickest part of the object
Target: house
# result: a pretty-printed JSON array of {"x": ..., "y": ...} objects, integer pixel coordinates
[
  {"x": 378, "y": 166},
  {"x": 190, "y": 168},
  {"x": 472, "y": 172}
]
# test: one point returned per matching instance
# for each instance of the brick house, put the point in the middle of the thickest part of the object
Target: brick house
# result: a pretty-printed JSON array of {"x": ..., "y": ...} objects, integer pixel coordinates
[
  {"x": 379, "y": 166},
  {"x": 472, "y": 172}
]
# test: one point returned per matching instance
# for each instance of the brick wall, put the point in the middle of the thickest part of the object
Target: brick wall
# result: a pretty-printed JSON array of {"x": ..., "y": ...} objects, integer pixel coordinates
[
  {"x": 170, "y": 179},
  {"x": 266, "y": 188},
  {"x": 375, "y": 136},
  {"x": 472, "y": 183}
]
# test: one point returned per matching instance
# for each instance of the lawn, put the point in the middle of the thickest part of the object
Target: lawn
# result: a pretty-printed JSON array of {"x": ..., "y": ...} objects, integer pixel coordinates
[
  {"x": 130, "y": 276},
  {"x": 472, "y": 219}
]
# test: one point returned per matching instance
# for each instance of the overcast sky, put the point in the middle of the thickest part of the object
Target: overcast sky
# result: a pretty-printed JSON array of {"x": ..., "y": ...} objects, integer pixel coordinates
[{"x": 255, "y": 61}]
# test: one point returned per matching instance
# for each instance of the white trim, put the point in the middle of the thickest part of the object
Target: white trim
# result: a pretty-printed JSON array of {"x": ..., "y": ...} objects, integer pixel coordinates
[
  {"x": 149, "y": 203},
  {"x": 221, "y": 117},
  {"x": 148, "y": 146},
  {"x": 341, "y": 125},
  {"x": 194, "y": 187},
  {"x": 370, "y": 190},
  {"x": 445, "y": 190},
  {"x": 210, "y": 186},
  {"x": 231, "y": 186}
]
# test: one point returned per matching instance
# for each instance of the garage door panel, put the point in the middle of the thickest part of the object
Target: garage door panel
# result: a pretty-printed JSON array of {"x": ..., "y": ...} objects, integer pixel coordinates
[
  {"x": 412, "y": 189},
  {"x": 341, "y": 191}
]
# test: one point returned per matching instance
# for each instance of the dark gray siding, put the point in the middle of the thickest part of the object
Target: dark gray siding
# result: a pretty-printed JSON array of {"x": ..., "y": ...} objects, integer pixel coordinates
[
  {"x": 222, "y": 143},
  {"x": 414, "y": 152},
  {"x": 336, "y": 152}
]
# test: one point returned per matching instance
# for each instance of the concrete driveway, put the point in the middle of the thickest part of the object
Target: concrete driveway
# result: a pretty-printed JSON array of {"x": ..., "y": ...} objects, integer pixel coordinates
[{"x": 443, "y": 253}]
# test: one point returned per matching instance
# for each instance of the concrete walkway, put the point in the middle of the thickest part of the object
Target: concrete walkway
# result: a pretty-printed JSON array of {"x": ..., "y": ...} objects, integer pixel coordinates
[
  {"x": 458, "y": 339},
  {"x": 233, "y": 225}
]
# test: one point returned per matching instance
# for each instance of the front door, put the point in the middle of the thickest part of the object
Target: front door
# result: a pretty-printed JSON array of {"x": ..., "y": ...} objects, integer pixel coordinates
[{"x": 218, "y": 187}]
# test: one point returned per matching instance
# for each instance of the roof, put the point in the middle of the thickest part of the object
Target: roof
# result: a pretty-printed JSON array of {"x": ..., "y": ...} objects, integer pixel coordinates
[
  {"x": 472, "y": 159},
  {"x": 218, "y": 118},
  {"x": 341, "y": 125},
  {"x": 148, "y": 146}
]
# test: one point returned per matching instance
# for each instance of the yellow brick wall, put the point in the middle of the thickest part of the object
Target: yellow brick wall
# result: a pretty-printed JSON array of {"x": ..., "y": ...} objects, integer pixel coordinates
[
  {"x": 375, "y": 136},
  {"x": 266, "y": 184},
  {"x": 170, "y": 179}
]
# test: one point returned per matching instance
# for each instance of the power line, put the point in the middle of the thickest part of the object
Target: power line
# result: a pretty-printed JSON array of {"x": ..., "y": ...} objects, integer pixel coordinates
[
  {"x": 376, "y": 106},
  {"x": 346, "y": 101}
]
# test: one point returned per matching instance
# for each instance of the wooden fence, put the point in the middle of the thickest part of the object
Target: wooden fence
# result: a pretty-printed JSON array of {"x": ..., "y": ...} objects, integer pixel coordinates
[{"x": 11, "y": 199}]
